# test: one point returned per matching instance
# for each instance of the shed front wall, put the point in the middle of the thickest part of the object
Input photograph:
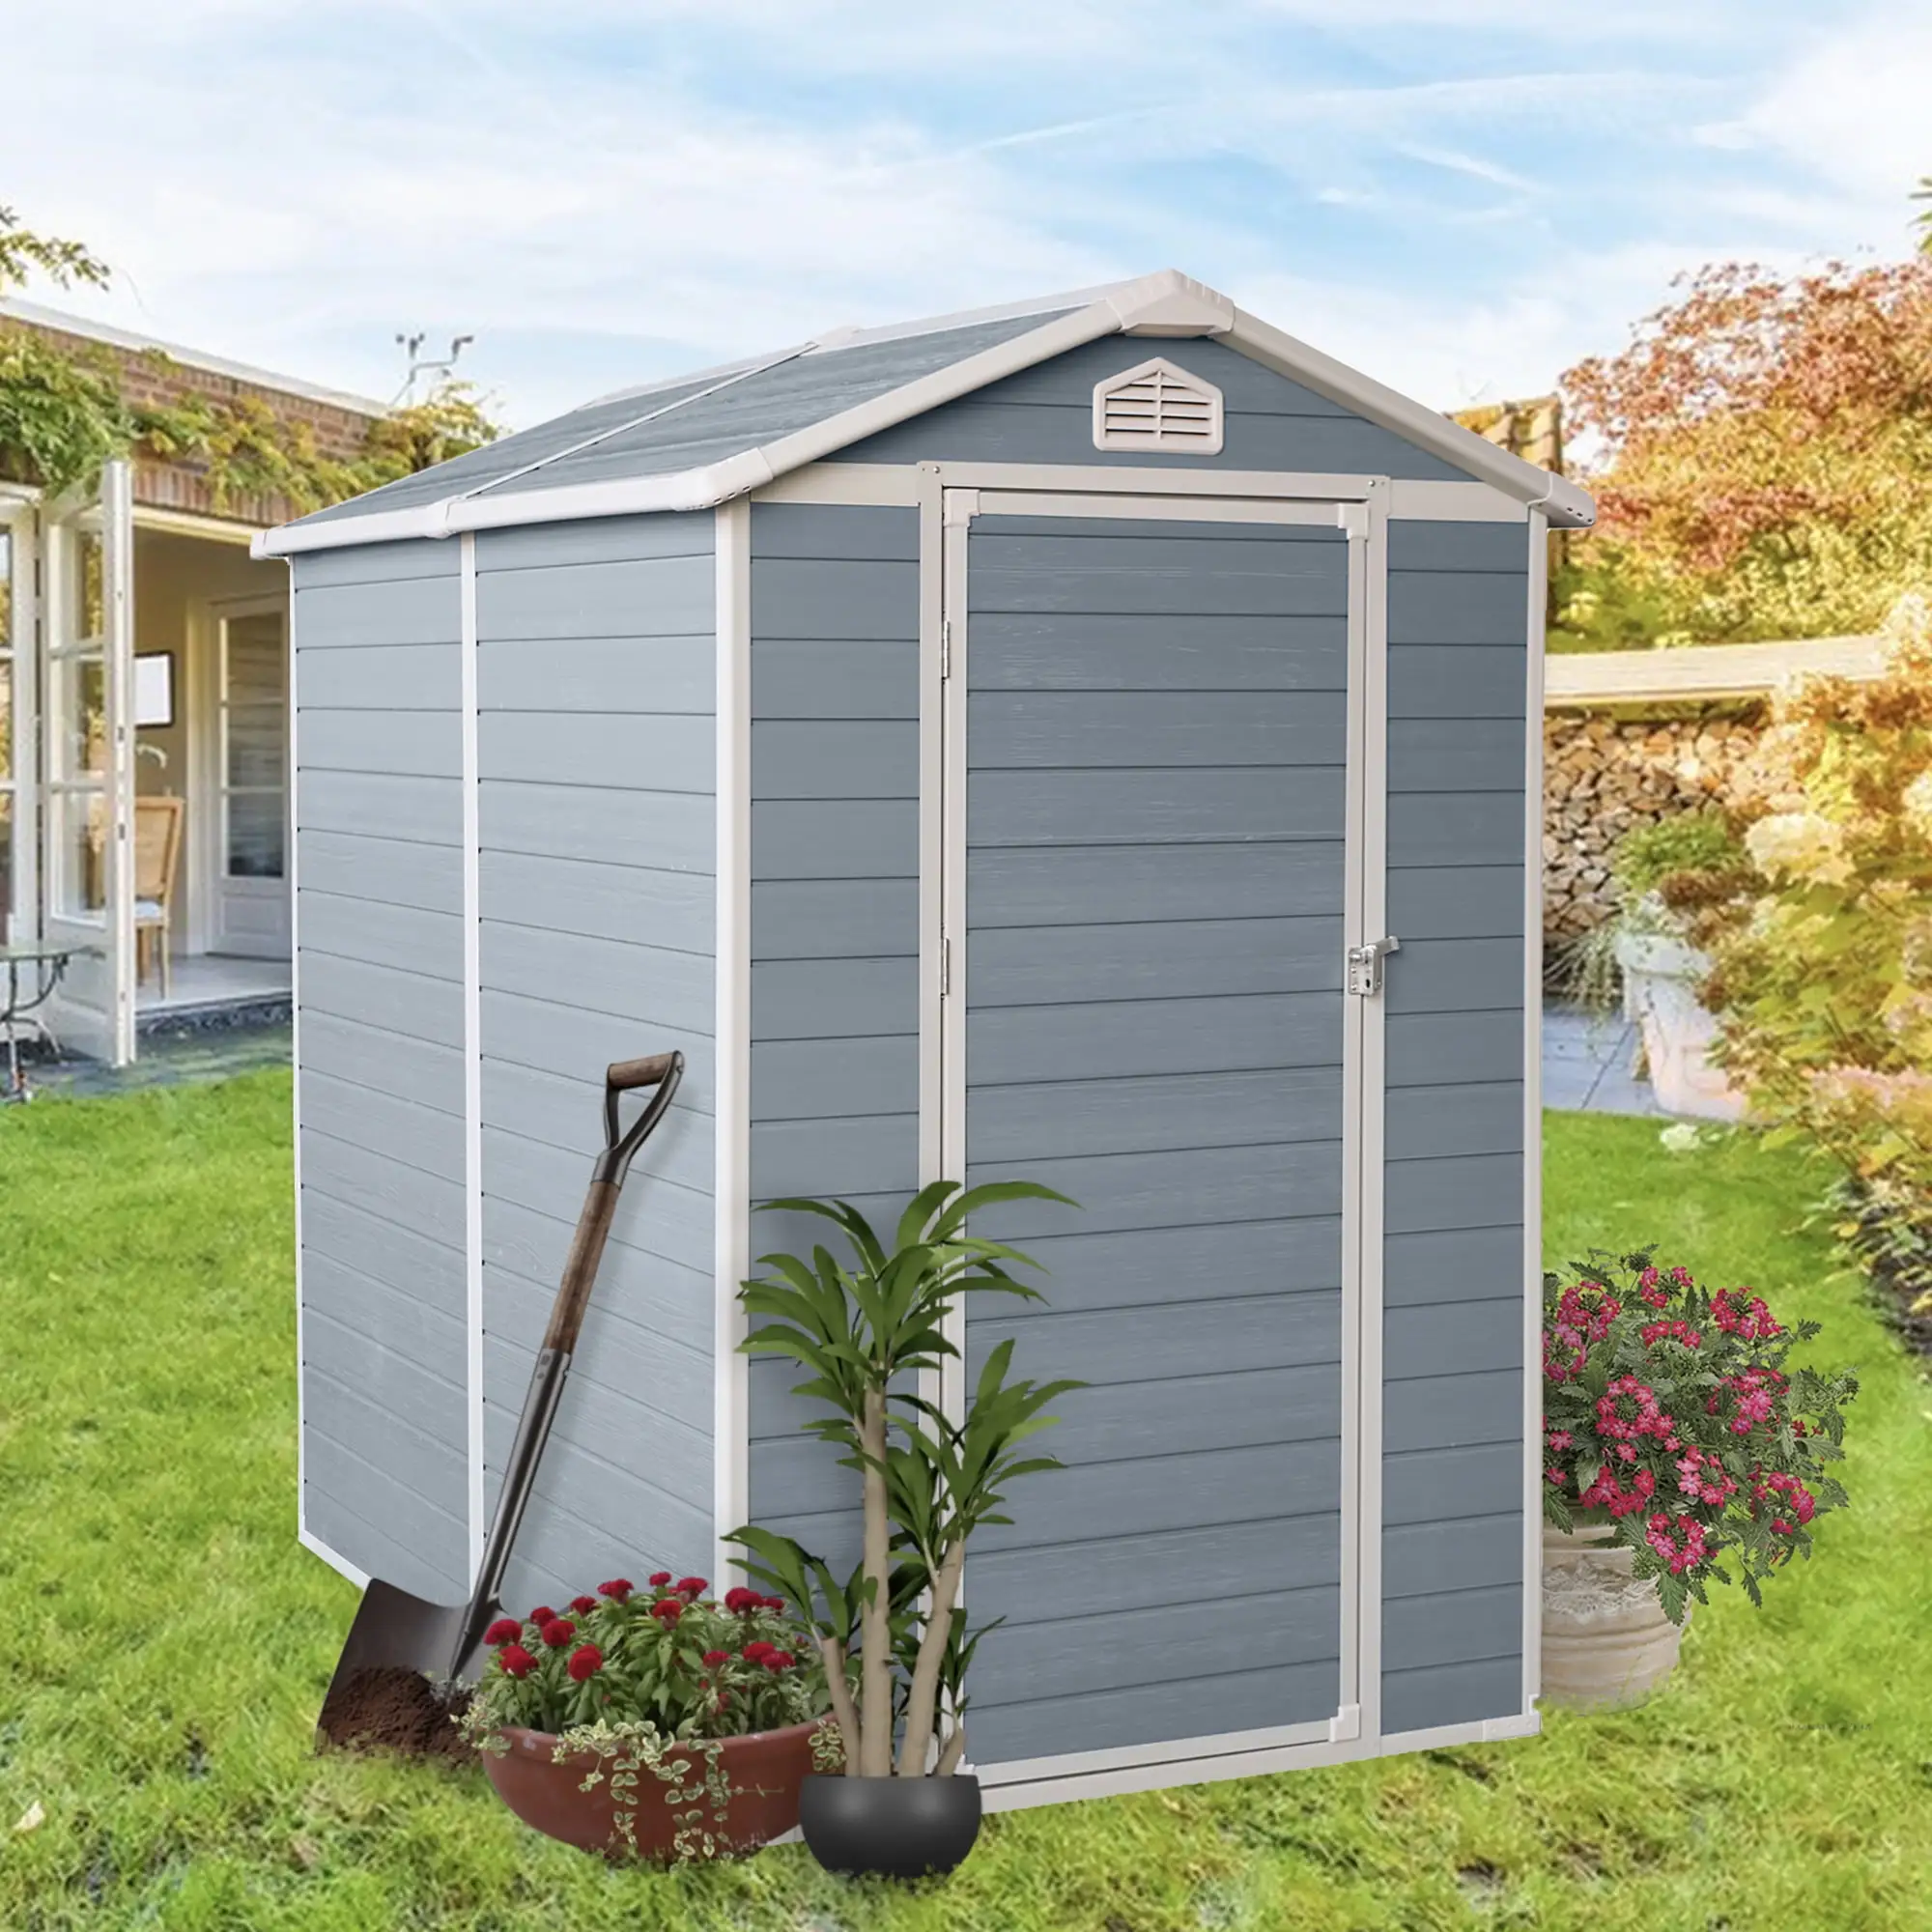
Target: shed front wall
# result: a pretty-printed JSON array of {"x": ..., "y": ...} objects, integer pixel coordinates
[{"x": 380, "y": 1076}]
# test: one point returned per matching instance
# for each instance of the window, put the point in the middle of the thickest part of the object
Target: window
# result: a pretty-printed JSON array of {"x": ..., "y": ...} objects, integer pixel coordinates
[
  {"x": 1158, "y": 406},
  {"x": 8, "y": 775}
]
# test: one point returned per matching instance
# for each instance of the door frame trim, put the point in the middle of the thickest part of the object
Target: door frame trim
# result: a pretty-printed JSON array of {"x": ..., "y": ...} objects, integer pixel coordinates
[{"x": 947, "y": 511}]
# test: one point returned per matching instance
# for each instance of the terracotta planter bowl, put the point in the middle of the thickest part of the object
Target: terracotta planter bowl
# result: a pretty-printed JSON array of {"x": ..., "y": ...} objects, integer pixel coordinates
[{"x": 766, "y": 1771}]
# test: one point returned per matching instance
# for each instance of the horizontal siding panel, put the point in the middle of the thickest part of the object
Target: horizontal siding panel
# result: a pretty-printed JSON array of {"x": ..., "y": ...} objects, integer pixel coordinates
[
  {"x": 1245, "y": 1699},
  {"x": 1466, "y": 828},
  {"x": 1140, "y": 1497},
  {"x": 387, "y": 871},
  {"x": 1175, "y": 806},
  {"x": 1472, "y": 681},
  {"x": 1455, "y": 753},
  {"x": 597, "y": 540},
  {"x": 1462, "y": 1553},
  {"x": 817, "y": 1080},
  {"x": 386, "y": 1552},
  {"x": 834, "y": 758},
  {"x": 1170, "y": 1191},
  {"x": 1141, "y": 1267},
  {"x": 1231, "y": 1409},
  {"x": 566, "y": 1112},
  {"x": 1453, "y": 1265},
  {"x": 1191, "y": 1566},
  {"x": 423, "y": 1139},
  {"x": 1446, "y": 975},
  {"x": 339, "y": 1235},
  {"x": 1455, "y": 1694},
  {"x": 826, "y": 999},
  {"x": 375, "y": 563},
  {"x": 598, "y": 674},
  {"x": 379, "y": 678},
  {"x": 1102, "y": 885},
  {"x": 427, "y": 1467},
  {"x": 419, "y": 744},
  {"x": 820, "y": 678},
  {"x": 1456, "y": 902},
  {"x": 649, "y": 597},
  {"x": 1184, "y": 1338},
  {"x": 386, "y": 1374},
  {"x": 1483, "y": 1190},
  {"x": 1436, "y": 1049},
  {"x": 563, "y": 748},
  {"x": 667, "y": 831},
  {"x": 430, "y": 1009},
  {"x": 835, "y": 838},
  {"x": 833, "y": 597},
  {"x": 1417, "y": 544},
  {"x": 424, "y": 1072},
  {"x": 545, "y": 1033},
  {"x": 1450, "y": 1338},
  {"x": 1026, "y": 1044},
  {"x": 834, "y": 919},
  {"x": 524, "y": 1252},
  {"x": 1181, "y": 575},
  {"x": 1431, "y": 1482},
  {"x": 1454, "y": 1411},
  {"x": 430, "y": 1334},
  {"x": 818, "y": 531},
  {"x": 1072, "y": 729},
  {"x": 1447, "y": 607},
  {"x": 1435, "y": 1121},
  {"x": 403, "y": 937},
  {"x": 1247, "y": 386},
  {"x": 1463, "y": 1627},
  {"x": 641, "y": 984},
  {"x": 1156, "y": 959},
  {"x": 1159, "y": 1115},
  {"x": 428, "y": 810},
  {"x": 869, "y": 1154},
  {"x": 407, "y": 610},
  {"x": 1078, "y": 650},
  {"x": 633, "y": 903}
]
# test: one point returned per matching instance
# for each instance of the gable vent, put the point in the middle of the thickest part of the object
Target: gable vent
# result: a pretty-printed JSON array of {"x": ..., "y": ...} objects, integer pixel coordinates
[{"x": 1157, "y": 406}]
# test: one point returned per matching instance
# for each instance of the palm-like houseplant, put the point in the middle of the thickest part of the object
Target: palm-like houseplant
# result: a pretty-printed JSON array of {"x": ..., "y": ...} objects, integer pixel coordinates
[{"x": 892, "y": 1633}]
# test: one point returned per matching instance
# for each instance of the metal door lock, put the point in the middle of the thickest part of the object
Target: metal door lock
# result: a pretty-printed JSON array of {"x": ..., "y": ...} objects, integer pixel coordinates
[{"x": 1364, "y": 964}]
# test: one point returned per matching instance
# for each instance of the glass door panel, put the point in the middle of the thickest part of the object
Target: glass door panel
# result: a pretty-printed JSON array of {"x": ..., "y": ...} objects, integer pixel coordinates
[{"x": 253, "y": 894}]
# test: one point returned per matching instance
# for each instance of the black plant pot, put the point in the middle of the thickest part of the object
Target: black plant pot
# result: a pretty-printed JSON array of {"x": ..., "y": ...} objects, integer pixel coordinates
[{"x": 889, "y": 1827}]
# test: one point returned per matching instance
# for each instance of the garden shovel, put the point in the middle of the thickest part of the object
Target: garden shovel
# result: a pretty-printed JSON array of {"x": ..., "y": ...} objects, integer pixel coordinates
[{"x": 377, "y": 1693}]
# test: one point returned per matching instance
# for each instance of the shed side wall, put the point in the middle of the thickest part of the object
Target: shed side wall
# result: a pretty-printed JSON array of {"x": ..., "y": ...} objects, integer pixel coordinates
[
  {"x": 379, "y": 830},
  {"x": 1045, "y": 414},
  {"x": 596, "y": 693},
  {"x": 1452, "y": 1395},
  {"x": 835, "y": 928}
]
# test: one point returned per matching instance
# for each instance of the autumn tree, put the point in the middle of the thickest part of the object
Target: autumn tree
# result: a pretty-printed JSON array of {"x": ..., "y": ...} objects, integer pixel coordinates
[{"x": 1766, "y": 467}]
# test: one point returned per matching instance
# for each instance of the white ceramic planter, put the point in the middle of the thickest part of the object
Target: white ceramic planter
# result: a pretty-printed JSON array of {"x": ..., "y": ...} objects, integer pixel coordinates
[
  {"x": 1606, "y": 1639},
  {"x": 1661, "y": 980}
]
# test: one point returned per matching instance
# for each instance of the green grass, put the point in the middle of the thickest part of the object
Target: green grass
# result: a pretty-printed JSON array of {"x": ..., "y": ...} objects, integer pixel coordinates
[{"x": 164, "y": 1642}]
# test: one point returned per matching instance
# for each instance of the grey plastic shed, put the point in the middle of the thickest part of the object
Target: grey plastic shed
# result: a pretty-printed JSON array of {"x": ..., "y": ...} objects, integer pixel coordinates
[{"x": 991, "y": 746}]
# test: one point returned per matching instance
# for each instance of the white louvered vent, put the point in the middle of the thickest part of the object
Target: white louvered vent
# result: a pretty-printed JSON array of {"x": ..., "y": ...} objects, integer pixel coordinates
[{"x": 1157, "y": 406}]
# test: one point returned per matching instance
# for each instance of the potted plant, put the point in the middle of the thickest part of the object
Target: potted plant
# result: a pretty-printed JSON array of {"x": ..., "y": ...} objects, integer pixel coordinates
[
  {"x": 892, "y": 1637},
  {"x": 657, "y": 1723},
  {"x": 1663, "y": 874},
  {"x": 1676, "y": 1442}
]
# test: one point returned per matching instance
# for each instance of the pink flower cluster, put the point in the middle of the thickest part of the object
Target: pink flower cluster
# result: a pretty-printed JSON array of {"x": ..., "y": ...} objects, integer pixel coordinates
[
  {"x": 1653, "y": 1333},
  {"x": 1627, "y": 1411},
  {"x": 1751, "y": 1399},
  {"x": 1751, "y": 1323},
  {"x": 1650, "y": 1286},
  {"x": 1798, "y": 1499},
  {"x": 1578, "y": 1322},
  {"x": 1702, "y": 1478},
  {"x": 1679, "y": 1539},
  {"x": 1607, "y": 1492}
]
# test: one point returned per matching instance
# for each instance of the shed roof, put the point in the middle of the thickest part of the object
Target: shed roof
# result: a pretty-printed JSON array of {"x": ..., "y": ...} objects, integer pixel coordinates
[{"x": 700, "y": 439}]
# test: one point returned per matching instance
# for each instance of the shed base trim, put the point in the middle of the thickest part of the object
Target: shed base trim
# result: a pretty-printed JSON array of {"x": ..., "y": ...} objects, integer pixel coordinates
[{"x": 341, "y": 1565}]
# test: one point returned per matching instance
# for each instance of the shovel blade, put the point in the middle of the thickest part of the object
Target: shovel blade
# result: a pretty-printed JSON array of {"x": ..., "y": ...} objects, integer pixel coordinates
[{"x": 395, "y": 1631}]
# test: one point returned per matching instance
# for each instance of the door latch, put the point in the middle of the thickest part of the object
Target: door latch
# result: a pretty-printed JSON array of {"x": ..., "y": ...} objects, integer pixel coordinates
[{"x": 1364, "y": 964}]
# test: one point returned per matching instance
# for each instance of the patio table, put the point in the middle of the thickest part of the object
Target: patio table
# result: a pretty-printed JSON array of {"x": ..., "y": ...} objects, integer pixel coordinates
[{"x": 33, "y": 970}]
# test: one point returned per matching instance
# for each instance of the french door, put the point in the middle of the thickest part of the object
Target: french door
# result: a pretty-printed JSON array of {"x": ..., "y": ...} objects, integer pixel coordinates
[
  {"x": 87, "y": 795},
  {"x": 251, "y": 766}
]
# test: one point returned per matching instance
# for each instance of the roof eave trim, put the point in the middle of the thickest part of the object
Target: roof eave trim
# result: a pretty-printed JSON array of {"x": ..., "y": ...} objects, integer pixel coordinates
[{"x": 1567, "y": 506}]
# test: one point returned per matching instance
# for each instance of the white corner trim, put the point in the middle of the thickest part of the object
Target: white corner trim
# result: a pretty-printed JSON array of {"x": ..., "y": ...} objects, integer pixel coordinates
[
  {"x": 731, "y": 1025},
  {"x": 1346, "y": 1726},
  {"x": 473, "y": 1055},
  {"x": 1532, "y": 1119},
  {"x": 1172, "y": 305},
  {"x": 1415, "y": 502},
  {"x": 295, "y": 1033},
  {"x": 860, "y": 485},
  {"x": 1483, "y": 1731},
  {"x": 341, "y": 1565}
]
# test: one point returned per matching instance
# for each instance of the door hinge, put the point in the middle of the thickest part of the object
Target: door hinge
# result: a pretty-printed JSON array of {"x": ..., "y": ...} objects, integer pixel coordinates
[
  {"x": 945, "y": 647},
  {"x": 945, "y": 968},
  {"x": 1365, "y": 965}
]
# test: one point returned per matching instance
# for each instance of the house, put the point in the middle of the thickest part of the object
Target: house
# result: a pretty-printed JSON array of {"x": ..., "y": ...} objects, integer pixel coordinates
[
  {"x": 144, "y": 656},
  {"x": 1009, "y": 744}
]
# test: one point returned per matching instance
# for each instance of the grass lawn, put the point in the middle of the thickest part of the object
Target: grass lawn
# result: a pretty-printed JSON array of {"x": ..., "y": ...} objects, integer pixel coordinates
[{"x": 164, "y": 1642}]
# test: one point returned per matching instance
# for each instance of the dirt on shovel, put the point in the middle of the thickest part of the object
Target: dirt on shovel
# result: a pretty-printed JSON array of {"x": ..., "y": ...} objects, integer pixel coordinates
[{"x": 394, "y": 1710}]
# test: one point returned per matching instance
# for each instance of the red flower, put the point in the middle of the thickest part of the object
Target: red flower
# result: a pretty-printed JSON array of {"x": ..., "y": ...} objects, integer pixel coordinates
[
  {"x": 757, "y": 1650},
  {"x": 714, "y": 1657},
  {"x": 583, "y": 1606},
  {"x": 742, "y": 1599},
  {"x": 541, "y": 1615},
  {"x": 558, "y": 1632},
  {"x": 671, "y": 1610},
  {"x": 659, "y": 1579},
  {"x": 505, "y": 1629},
  {"x": 616, "y": 1590},
  {"x": 585, "y": 1662},
  {"x": 779, "y": 1660},
  {"x": 515, "y": 1661},
  {"x": 774, "y": 1602},
  {"x": 691, "y": 1586}
]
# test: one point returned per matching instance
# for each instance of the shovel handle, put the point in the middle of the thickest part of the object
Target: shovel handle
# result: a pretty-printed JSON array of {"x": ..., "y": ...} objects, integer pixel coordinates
[{"x": 626, "y": 1074}]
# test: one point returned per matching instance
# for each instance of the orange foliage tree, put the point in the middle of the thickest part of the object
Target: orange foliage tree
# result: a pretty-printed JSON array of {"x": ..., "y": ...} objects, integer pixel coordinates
[{"x": 1765, "y": 457}]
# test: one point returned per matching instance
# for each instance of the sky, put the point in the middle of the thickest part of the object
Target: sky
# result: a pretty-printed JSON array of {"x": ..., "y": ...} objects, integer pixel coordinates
[{"x": 1461, "y": 197}]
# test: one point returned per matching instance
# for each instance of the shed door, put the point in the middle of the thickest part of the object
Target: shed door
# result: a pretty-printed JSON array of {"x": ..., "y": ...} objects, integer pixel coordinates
[{"x": 1151, "y": 859}]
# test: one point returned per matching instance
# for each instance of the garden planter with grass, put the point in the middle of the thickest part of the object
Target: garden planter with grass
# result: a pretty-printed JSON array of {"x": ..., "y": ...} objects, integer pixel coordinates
[
  {"x": 1661, "y": 974},
  {"x": 660, "y": 1724},
  {"x": 1677, "y": 1448}
]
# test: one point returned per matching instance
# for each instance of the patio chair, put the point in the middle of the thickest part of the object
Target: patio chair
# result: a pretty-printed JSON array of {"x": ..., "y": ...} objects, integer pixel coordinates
[{"x": 157, "y": 836}]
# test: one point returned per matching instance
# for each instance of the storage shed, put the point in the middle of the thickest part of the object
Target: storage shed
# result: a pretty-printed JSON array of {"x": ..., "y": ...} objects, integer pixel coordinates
[{"x": 989, "y": 746}]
